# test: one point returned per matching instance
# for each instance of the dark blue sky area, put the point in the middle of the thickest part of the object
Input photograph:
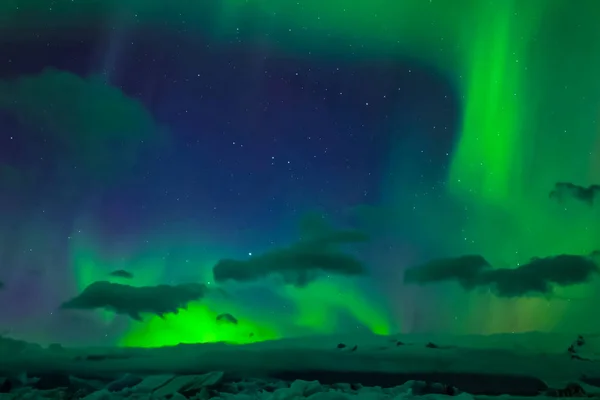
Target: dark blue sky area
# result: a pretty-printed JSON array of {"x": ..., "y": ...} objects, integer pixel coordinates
[{"x": 256, "y": 136}]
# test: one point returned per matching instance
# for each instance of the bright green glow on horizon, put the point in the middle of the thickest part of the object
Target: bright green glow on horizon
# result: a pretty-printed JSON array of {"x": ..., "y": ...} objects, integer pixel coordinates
[
  {"x": 197, "y": 324},
  {"x": 317, "y": 306}
]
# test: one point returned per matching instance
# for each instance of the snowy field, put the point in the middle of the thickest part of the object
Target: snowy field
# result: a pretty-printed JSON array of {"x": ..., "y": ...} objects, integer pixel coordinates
[{"x": 319, "y": 368}]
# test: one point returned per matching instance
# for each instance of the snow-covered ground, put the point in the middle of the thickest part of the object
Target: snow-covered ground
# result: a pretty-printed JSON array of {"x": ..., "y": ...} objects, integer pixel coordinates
[{"x": 399, "y": 366}]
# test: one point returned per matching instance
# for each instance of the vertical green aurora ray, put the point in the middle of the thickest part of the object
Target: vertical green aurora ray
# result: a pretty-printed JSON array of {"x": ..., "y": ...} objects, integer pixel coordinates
[
  {"x": 531, "y": 123},
  {"x": 531, "y": 103},
  {"x": 488, "y": 161}
]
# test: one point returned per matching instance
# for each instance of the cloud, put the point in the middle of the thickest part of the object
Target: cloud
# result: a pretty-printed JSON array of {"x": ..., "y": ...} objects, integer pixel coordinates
[
  {"x": 121, "y": 273},
  {"x": 463, "y": 269},
  {"x": 84, "y": 122},
  {"x": 134, "y": 301},
  {"x": 539, "y": 276},
  {"x": 302, "y": 262},
  {"x": 565, "y": 190},
  {"x": 227, "y": 318}
]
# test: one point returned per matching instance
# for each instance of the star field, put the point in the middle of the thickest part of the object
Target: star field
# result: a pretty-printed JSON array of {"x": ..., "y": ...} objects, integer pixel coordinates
[
  {"x": 253, "y": 132},
  {"x": 256, "y": 137},
  {"x": 163, "y": 138}
]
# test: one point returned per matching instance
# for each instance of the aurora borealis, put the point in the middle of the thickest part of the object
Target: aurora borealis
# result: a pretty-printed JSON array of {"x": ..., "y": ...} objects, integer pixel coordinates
[{"x": 161, "y": 138}]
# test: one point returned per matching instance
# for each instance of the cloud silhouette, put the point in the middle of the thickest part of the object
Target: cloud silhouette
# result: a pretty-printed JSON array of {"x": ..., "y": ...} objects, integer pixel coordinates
[
  {"x": 121, "y": 273},
  {"x": 565, "y": 190},
  {"x": 83, "y": 121},
  {"x": 134, "y": 301},
  {"x": 539, "y": 276},
  {"x": 316, "y": 252}
]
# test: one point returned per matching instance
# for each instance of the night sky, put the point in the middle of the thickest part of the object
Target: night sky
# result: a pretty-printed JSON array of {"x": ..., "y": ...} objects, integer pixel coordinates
[{"x": 159, "y": 140}]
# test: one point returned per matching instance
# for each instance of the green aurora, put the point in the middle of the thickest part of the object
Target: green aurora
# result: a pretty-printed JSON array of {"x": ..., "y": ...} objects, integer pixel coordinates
[{"x": 528, "y": 76}]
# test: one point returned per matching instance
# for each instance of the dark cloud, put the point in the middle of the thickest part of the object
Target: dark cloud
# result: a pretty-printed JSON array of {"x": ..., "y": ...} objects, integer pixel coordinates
[
  {"x": 134, "y": 301},
  {"x": 227, "y": 318},
  {"x": 84, "y": 122},
  {"x": 566, "y": 190},
  {"x": 121, "y": 273},
  {"x": 539, "y": 276},
  {"x": 463, "y": 269},
  {"x": 300, "y": 263}
]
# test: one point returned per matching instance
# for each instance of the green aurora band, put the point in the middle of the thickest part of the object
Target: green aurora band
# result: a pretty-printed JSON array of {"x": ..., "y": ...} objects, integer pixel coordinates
[
  {"x": 316, "y": 306},
  {"x": 527, "y": 73}
]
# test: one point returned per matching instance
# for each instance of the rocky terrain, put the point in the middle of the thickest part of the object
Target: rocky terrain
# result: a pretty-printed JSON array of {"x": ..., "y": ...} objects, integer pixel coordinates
[
  {"x": 528, "y": 365},
  {"x": 213, "y": 385}
]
